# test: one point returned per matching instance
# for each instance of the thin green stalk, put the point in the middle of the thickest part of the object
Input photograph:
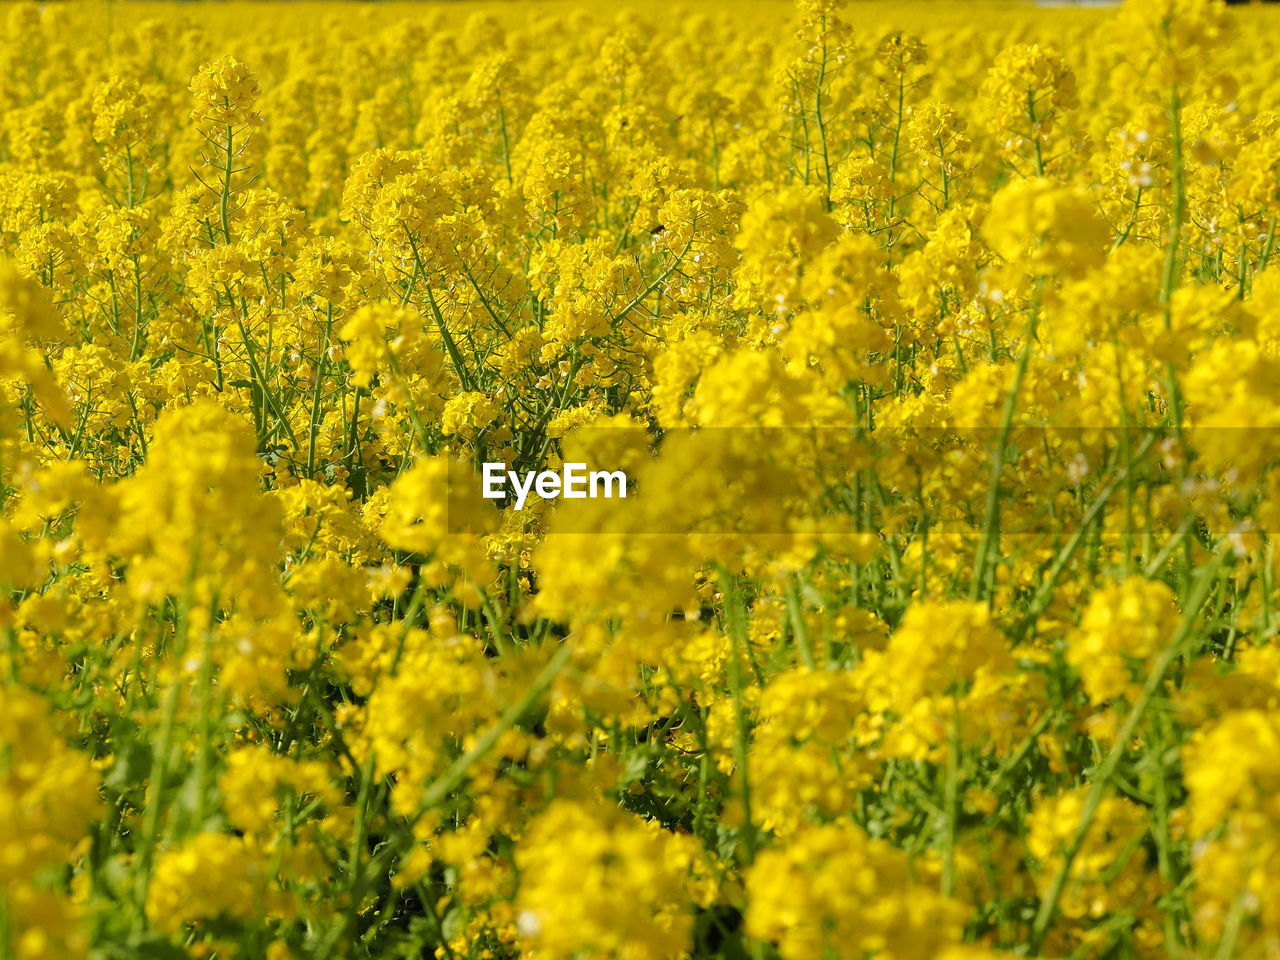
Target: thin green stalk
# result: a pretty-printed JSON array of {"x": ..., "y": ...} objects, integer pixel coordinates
[
  {"x": 457, "y": 771},
  {"x": 1107, "y": 768},
  {"x": 737, "y": 629},
  {"x": 991, "y": 528}
]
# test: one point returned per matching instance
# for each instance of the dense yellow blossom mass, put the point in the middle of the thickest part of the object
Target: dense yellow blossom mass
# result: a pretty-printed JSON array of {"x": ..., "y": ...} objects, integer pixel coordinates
[{"x": 940, "y": 343}]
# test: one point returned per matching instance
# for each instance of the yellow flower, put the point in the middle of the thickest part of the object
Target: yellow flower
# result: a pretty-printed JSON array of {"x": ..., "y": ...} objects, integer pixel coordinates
[{"x": 225, "y": 93}]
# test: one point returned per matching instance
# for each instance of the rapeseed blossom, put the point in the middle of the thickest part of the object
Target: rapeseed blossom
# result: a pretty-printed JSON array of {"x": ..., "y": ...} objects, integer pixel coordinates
[{"x": 940, "y": 359}]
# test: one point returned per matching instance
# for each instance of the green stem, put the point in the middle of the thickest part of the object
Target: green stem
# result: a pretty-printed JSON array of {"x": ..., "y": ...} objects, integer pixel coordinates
[
  {"x": 991, "y": 529},
  {"x": 1107, "y": 768}
]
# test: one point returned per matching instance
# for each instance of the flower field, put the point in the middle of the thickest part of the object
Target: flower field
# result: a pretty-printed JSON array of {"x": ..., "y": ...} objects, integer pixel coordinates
[{"x": 938, "y": 342}]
